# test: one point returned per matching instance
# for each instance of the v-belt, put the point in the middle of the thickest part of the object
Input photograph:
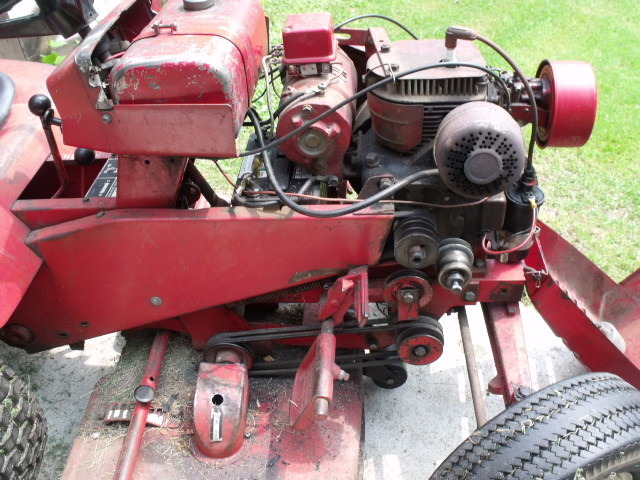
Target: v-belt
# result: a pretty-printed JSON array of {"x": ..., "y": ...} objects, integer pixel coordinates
[{"x": 350, "y": 361}]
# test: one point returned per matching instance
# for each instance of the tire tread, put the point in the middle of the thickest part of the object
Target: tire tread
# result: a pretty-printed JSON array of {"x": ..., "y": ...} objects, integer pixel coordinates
[{"x": 23, "y": 429}]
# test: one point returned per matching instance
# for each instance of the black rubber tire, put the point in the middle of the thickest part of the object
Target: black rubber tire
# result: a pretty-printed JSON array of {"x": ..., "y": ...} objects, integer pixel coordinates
[
  {"x": 584, "y": 428},
  {"x": 23, "y": 429}
]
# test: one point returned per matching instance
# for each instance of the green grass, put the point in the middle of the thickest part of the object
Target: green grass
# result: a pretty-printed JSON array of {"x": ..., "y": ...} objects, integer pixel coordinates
[{"x": 593, "y": 193}]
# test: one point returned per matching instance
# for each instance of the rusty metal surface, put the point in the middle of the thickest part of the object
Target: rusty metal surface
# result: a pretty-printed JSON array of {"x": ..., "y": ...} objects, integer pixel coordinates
[
  {"x": 272, "y": 449},
  {"x": 504, "y": 326},
  {"x": 169, "y": 128},
  {"x": 129, "y": 453},
  {"x": 333, "y": 134},
  {"x": 314, "y": 383},
  {"x": 149, "y": 182},
  {"x": 220, "y": 408},
  {"x": 574, "y": 296}
]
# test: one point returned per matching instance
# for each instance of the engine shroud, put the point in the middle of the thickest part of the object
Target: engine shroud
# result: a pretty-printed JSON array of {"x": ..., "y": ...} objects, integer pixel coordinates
[{"x": 407, "y": 113}]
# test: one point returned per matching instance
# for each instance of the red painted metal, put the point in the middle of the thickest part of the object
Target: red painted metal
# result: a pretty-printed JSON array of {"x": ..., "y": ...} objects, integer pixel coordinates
[
  {"x": 129, "y": 257},
  {"x": 407, "y": 349},
  {"x": 24, "y": 150},
  {"x": 322, "y": 146},
  {"x": 149, "y": 182},
  {"x": 220, "y": 408},
  {"x": 350, "y": 289},
  {"x": 129, "y": 453},
  {"x": 504, "y": 326},
  {"x": 309, "y": 38},
  {"x": 313, "y": 386},
  {"x": 574, "y": 296},
  {"x": 326, "y": 450},
  {"x": 570, "y": 102},
  {"x": 45, "y": 213},
  {"x": 232, "y": 32},
  {"x": 209, "y": 56}
]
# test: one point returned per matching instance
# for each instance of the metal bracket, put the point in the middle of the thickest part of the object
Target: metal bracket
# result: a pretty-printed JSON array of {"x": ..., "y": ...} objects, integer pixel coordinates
[{"x": 351, "y": 289}]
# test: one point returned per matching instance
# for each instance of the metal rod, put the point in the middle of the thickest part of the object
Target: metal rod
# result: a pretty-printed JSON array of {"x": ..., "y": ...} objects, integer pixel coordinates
[
  {"x": 477, "y": 393},
  {"x": 133, "y": 440},
  {"x": 55, "y": 154}
]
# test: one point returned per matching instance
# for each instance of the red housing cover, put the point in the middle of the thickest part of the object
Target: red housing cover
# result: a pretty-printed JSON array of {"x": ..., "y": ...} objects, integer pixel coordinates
[
  {"x": 309, "y": 38},
  {"x": 176, "y": 91}
]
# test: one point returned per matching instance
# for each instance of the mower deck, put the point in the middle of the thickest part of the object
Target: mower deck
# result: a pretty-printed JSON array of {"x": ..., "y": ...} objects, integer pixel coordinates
[{"x": 271, "y": 448}]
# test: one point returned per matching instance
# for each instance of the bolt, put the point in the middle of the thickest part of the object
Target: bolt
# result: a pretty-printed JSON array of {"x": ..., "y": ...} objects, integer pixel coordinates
[
  {"x": 291, "y": 69},
  {"x": 469, "y": 296},
  {"x": 390, "y": 381},
  {"x": 247, "y": 435},
  {"x": 307, "y": 110},
  {"x": 408, "y": 297},
  {"x": 106, "y": 118},
  {"x": 420, "y": 351},
  {"x": 384, "y": 183},
  {"x": 385, "y": 48},
  {"x": 155, "y": 301},
  {"x": 456, "y": 288},
  {"x": 343, "y": 376},
  {"x": 395, "y": 67},
  {"x": 332, "y": 181},
  {"x": 372, "y": 160},
  {"x": 18, "y": 335},
  {"x": 480, "y": 262},
  {"x": 373, "y": 346},
  {"x": 100, "y": 214}
]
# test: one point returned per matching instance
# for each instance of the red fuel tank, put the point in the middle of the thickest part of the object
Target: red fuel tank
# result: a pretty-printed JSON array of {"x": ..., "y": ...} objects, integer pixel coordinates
[{"x": 182, "y": 86}]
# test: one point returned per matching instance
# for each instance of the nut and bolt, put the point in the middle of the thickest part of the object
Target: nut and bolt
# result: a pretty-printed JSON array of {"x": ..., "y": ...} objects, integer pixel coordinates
[
  {"x": 372, "y": 160},
  {"x": 408, "y": 296},
  {"x": 395, "y": 67},
  {"x": 420, "y": 351},
  {"x": 307, "y": 110},
  {"x": 106, "y": 118},
  {"x": 470, "y": 296},
  {"x": 384, "y": 183},
  {"x": 155, "y": 301},
  {"x": 385, "y": 48}
]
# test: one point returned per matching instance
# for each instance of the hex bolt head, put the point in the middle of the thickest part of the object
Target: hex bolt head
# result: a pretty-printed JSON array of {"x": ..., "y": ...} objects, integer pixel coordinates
[
  {"x": 106, "y": 118},
  {"x": 384, "y": 183},
  {"x": 155, "y": 301},
  {"x": 470, "y": 296},
  {"x": 307, "y": 110},
  {"x": 408, "y": 297},
  {"x": 385, "y": 48},
  {"x": 372, "y": 160}
]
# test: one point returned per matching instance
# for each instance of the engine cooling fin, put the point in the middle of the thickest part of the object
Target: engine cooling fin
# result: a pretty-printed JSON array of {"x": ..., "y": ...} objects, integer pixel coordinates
[{"x": 479, "y": 150}]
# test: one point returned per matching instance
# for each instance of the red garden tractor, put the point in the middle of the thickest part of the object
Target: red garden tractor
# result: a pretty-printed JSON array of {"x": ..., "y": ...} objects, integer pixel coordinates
[{"x": 390, "y": 185}]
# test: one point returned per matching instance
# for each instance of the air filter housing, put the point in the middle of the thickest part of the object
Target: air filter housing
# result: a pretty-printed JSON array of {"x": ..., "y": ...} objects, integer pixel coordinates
[{"x": 479, "y": 150}]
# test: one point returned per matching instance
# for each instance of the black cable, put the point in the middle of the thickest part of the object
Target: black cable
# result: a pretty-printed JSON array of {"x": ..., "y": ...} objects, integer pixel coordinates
[
  {"x": 387, "y": 192},
  {"x": 375, "y": 15},
  {"x": 283, "y": 105},
  {"x": 532, "y": 100},
  {"x": 366, "y": 90}
]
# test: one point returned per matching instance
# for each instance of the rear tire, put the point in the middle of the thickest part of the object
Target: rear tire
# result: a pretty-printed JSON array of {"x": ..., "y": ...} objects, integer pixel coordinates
[
  {"x": 23, "y": 429},
  {"x": 586, "y": 427}
]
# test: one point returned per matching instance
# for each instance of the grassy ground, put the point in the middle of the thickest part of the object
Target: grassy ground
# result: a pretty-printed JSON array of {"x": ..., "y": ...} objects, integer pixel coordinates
[{"x": 593, "y": 195}]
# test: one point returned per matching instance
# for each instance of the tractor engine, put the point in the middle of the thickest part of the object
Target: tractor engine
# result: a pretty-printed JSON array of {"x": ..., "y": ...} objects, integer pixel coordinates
[{"x": 424, "y": 125}]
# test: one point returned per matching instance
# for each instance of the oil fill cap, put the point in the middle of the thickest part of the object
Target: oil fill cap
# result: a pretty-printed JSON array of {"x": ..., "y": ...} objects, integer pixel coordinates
[{"x": 197, "y": 4}]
